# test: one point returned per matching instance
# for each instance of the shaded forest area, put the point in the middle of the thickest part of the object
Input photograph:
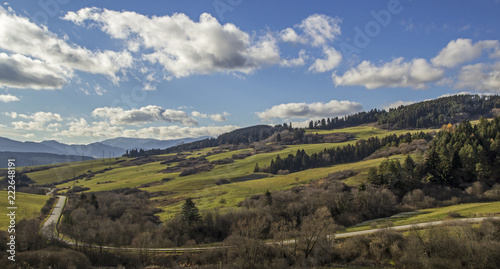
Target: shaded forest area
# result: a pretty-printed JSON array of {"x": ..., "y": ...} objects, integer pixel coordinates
[
  {"x": 427, "y": 114},
  {"x": 350, "y": 153}
]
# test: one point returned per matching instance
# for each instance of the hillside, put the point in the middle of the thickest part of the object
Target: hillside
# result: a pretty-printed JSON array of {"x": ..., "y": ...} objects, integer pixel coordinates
[
  {"x": 427, "y": 114},
  {"x": 281, "y": 180},
  {"x": 38, "y": 158}
]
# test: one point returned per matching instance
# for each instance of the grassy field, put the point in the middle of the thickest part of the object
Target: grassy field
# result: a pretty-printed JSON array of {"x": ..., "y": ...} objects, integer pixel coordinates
[
  {"x": 28, "y": 207},
  {"x": 202, "y": 187},
  {"x": 69, "y": 170},
  {"x": 121, "y": 177},
  {"x": 210, "y": 195},
  {"x": 433, "y": 214}
]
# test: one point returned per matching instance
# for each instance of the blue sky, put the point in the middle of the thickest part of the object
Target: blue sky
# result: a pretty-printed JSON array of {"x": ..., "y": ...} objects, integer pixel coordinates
[{"x": 85, "y": 71}]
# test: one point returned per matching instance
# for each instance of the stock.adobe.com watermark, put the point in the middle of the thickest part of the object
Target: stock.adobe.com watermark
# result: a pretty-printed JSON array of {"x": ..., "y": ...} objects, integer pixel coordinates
[
  {"x": 48, "y": 9},
  {"x": 11, "y": 208},
  {"x": 363, "y": 36},
  {"x": 223, "y": 6}
]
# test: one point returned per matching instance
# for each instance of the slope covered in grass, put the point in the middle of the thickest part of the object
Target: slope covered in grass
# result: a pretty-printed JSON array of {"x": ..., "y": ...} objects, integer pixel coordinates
[{"x": 28, "y": 207}]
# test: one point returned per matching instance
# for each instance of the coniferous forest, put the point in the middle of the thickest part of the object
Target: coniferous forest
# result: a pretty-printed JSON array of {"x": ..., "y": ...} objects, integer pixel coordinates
[{"x": 427, "y": 114}]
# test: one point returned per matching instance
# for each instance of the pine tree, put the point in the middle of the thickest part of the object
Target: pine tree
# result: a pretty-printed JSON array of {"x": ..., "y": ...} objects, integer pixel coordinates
[
  {"x": 190, "y": 213},
  {"x": 93, "y": 201},
  {"x": 256, "y": 169}
]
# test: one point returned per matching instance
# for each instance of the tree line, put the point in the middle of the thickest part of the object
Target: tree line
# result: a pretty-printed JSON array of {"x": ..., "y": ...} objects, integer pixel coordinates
[
  {"x": 458, "y": 156},
  {"x": 350, "y": 153},
  {"x": 427, "y": 114}
]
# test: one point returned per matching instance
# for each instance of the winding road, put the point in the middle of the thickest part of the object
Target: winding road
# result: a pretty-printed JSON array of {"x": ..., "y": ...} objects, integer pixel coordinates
[
  {"x": 49, "y": 231},
  {"x": 48, "y": 228}
]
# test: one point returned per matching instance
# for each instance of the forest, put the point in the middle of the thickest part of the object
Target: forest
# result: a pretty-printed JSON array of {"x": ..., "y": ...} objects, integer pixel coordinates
[{"x": 427, "y": 114}]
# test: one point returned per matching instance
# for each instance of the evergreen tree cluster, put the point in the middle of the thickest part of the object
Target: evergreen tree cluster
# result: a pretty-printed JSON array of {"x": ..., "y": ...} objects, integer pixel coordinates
[
  {"x": 350, "y": 153},
  {"x": 466, "y": 154},
  {"x": 347, "y": 121},
  {"x": 432, "y": 113},
  {"x": 435, "y": 113},
  {"x": 458, "y": 156}
]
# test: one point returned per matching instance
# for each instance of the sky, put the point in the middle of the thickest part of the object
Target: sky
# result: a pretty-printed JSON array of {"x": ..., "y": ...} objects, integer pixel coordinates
[{"x": 86, "y": 71}]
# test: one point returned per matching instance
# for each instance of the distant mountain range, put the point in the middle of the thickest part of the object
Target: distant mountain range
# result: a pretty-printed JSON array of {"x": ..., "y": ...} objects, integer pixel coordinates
[
  {"x": 138, "y": 143},
  {"x": 60, "y": 152}
]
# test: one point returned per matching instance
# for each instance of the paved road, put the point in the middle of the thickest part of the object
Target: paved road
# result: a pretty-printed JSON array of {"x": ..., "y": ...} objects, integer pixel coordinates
[
  {"x": 56, "y": 213},
  {"x": 49, "y": 225},
  {"x": 417, "y": 226},
  {"x": 50, "y": 191}
]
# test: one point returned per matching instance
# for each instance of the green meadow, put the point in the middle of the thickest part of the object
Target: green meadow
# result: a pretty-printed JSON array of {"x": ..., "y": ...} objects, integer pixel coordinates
[
  {"x": 203, "y": 187},
  {"x": 28, "y": 207},
  {"x": 68, "y": 170},
  {"x": 470, "y": 210}
]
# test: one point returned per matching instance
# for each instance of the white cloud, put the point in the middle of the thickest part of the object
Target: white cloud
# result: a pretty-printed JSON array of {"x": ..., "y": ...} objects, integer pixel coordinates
[
  {"x": 99, "y": 90},
  {"x": 151, "y": 113},
  {"x": 480, "y": 77},
  {"x": 182, "y": 46},
  {"x": 299, "y": 61},
  {"x": 320, "y": 28},
  {"x": 397, "y": 104},
  {"x": 19, "y": 71},
  {"x": 39, "y": 121},
  {"x": 175, "y": 132},
  {"x": 464, "y": 93},
  {"x": 496, "y": 54},
  {"x": 10, "y": 114},
  {"x": 312, "y": 110},
  {"x": 289, "y": 35},
  {"x": 6, "y": 98},
  {"x": 462, "y": 50},
  {"x": 81, "y": 128},
  {"x": 214, "y": 117},
  {"x": 333, "y": 58},
  {"x": 54, "y": 58},
  {"x": 415, "y": 74}
]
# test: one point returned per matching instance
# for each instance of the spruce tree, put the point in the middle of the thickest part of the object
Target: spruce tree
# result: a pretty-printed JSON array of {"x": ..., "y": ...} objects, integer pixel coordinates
[{"x": 190, "y": 213}]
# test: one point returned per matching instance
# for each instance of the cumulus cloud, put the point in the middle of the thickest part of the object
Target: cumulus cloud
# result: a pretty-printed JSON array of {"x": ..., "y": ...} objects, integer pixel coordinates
[
  {"x": 332, "y": 60},
  {"x": 39, "y": 121},
  {"x": 214, "y": 117},
  {"x": 398, "y": 104},
  {"x": 299, "y": 61},
  {"x": 19, "y": 71},
  {"x": 320, "y": 28},
  {"x": 480, "y": 77},
  {"x": 55, "y": 58},
  {"x": 183, "y": 46},
  {"x": 317, "y": 30},
  {"x": 289, "y": 35},
  {"x": 496, "y": 54},
  {"x": 462, "y": 50},
  {"x": 6, "y": 98},
  {"x": 415, "y": 74},
  {"x": 312, "y": 110},
  {"x": 151, "y": 113},
  {"x": 81, "y": 128}
]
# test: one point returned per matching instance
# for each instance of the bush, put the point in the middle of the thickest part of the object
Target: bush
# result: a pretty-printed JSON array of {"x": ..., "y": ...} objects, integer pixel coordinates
[{"x": 54, "y": 258}]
